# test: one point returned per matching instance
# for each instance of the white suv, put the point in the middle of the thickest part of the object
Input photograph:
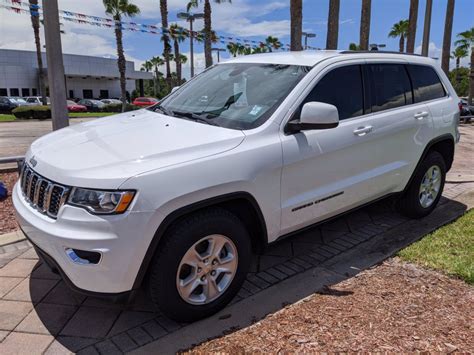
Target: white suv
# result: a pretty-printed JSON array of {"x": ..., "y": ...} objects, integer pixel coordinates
[{"x": 253, "y": 149}]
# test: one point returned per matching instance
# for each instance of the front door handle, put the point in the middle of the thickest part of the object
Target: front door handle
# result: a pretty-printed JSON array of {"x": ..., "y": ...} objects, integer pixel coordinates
[
  {"x": 421, "y": 115},
  {"x": 362, "y": 131}
]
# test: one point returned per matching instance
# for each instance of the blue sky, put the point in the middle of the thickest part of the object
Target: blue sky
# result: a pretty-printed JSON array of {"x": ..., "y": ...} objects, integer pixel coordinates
[{"x": 250, "y": 19}]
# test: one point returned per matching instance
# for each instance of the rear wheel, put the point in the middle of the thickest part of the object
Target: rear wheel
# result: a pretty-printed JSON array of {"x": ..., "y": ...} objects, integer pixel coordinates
[
  {"x": 201, "y": 265},
  {"x": 426, "y": 187}
]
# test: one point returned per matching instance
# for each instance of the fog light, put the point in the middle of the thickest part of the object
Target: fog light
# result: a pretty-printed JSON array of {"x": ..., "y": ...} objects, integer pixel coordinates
[{"x": 83, "y": 257}]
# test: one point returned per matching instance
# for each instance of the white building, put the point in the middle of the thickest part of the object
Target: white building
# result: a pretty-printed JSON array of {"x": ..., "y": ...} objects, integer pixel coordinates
[{"x": 85, "y": 76}]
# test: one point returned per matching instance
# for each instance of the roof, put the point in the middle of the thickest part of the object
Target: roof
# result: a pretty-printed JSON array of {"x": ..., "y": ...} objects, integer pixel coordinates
[{"x": 311, "y": 58}]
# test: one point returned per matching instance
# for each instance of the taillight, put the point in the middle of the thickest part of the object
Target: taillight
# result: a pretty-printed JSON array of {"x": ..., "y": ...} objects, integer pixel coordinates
[{"x": 460, "y": 107}]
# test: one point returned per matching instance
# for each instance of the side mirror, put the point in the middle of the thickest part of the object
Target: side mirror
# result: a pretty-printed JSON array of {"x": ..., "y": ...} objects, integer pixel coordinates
[
  {"x": 314, "y": 115},
  {"x": 174, "y": 89}
]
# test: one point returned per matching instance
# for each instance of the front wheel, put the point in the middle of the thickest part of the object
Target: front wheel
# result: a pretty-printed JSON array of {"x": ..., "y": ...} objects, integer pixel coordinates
[
  {"x": 426, "y": 187},
  {"x": 200, "y": 265}
]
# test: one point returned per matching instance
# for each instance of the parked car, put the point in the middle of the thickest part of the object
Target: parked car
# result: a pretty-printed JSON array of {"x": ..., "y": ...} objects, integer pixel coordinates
[
  {"x": 467, "y": 111},
  {"x": 36, "y": 100},
  {"x": 7, "y": 104},
  {"x": 92, "y": 105},
  {"x": 145, "y": 101},
  {"x": 111, "y": 101},
  {"x": 73, "y": 107},
  {"x": 250, "y": 151}
]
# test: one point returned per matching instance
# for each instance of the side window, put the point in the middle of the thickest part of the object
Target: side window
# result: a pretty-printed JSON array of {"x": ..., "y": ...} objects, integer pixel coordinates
[
  {"x": 341, "y": 87},
  {"x": 426, "y": 83},
  {"x": 390, "y": 86}
]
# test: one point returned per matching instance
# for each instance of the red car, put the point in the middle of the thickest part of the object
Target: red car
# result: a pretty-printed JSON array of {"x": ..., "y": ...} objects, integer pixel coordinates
[
  {"x": 73, "y": 107},
  {"x": 145, "y": 101}
]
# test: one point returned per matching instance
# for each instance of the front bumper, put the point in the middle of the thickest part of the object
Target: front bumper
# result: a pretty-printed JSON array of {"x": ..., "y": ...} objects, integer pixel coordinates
[{"x": 120, "y": 239}]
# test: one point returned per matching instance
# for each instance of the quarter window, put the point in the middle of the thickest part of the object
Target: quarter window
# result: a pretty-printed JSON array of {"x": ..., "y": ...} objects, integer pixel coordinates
[
  {"x": 390, "y": 86},
  {"x": 341, "y": 87},
  {"x": 426, "y": 83}
]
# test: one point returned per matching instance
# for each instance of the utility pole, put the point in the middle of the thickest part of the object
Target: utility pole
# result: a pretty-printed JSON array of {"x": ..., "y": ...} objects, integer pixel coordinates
[
  {"x": 426, "y": 29},
  {"x": 54, "y": 56}
]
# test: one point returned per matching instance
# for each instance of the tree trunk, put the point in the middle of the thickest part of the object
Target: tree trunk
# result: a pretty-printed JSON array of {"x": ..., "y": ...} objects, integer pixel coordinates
[
  {"x": 413, "y": 16},
  {"x": 177, "y": 60},
  {"x": 207, "y": 33},
  {"x": 471, "y": 79},
  {"x": 458, "y": 75},
  {"x": 156, "y": 82},
  {"x": 166, "y": 39},
  {"x": 333, "y": 24},
  {"x": 296, "y": 14},
  {"x": 365, "y": 25},
  {"x": 121, "y": 64},
  {"x": 401, "y": 44},
  {"x": 36, "y": 30},
  {"x": 448, "y": 29},
  {"x": 426, "y": 28}
]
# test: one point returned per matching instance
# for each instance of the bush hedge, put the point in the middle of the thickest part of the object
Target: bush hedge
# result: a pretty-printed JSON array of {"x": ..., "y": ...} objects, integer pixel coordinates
[
  {"x": 28, "y": 112},
  {"x": 118, "y": 108}
]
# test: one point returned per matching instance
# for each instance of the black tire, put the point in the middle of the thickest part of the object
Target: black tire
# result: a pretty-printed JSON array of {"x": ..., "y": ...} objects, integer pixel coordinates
[
  {"x": 409, "y": 204},
  {"x": 181, "y": 236}
]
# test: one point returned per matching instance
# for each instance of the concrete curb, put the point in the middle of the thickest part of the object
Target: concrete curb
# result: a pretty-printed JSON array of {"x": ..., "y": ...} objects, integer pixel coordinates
[{"x": 12, "y": 237}]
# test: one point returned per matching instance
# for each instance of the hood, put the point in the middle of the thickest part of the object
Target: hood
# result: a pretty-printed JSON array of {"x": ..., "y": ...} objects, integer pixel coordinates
[{"x": 105, "y": 152}]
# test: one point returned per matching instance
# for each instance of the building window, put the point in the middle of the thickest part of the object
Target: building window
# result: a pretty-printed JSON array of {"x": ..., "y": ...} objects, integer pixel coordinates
[
  {"x": 104, "y": 94},
  {"x": 87, "y": 94},
  {"x": 25, "y": 92},
  {"x": 34, "y": 92},
  {"x": 14, "y": 92},
  {"x": 71, "y": 94},
  {"x": 3, "y": 92}
]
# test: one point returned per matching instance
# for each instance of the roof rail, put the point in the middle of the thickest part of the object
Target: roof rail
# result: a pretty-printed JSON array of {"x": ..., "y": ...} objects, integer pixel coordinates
[{"x": 378, "y": 51}]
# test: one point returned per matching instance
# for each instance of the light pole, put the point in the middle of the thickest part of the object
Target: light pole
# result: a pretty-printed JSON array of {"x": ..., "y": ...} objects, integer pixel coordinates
[
  {"x": 190, "y": 17},
  {"x": 376, "y": 46},
  {"x": 307, "y": 35},
  {"x": 218, "y": 50}
]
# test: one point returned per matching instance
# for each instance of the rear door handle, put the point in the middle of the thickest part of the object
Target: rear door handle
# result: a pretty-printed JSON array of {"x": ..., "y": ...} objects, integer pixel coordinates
[
  {"x": 362, "y": 131},
  {"x": 421, "y": 115}
]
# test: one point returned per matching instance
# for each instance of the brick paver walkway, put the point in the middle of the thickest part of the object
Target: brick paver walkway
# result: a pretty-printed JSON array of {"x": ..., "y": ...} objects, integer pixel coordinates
[{"x": 39, "y": 314}]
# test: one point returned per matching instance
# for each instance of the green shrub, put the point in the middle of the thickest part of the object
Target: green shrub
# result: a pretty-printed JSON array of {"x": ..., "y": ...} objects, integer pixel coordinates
[
  {"x": 28, "y": 112},
  {"x": 118, "y": 108}
]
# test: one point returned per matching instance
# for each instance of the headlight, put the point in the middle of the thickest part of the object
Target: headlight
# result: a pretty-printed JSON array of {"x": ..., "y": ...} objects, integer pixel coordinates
[{"x": 101, "y": 202}]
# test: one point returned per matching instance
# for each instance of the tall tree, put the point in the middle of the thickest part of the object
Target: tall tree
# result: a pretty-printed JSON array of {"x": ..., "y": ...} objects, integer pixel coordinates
[
  {"x": 207, "y": 26},
  {"x": 117, "y": 9},
  {"x": 459, "y": 53},
  {"x": 412, "y": 19},
  {"x": 156, "y": 63},
  {"x": 177, "y": 34},
  {"x": 466, "y": 41},
  {"x": 426, "y": 28},
  {"x": 35, "y": 23},
  {"x": 233, "y": 48},
  {"x": 296, "y": 18},
  {"x": 333, "y": 24},
  {"x": 365, "y": 24},
  {"x": 354, "y": 46},
  {"x": 448, "y": 30},
  {"x": 147, "y": 66},
  {"x": 400, "y": 29},
  {"x": 166, "y": 39},
  {"x": 272, "y": 43}
]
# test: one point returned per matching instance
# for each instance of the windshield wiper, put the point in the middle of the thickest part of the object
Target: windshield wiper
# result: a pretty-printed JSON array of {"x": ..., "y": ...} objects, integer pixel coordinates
[
  {"x": 195, "y": 117},
  {"x": 164, "y": 110}
]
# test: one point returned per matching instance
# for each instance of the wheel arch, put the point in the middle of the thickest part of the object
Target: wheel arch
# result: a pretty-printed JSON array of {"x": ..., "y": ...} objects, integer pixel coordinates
[{"x": 242, "y": 204}]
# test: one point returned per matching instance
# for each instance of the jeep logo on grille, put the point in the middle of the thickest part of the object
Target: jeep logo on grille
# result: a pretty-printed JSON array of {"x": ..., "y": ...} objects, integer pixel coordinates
[{"x": 33, "y": 162}]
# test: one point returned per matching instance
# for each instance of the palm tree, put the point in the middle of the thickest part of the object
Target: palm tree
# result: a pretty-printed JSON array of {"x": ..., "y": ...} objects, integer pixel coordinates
[
  {"x": 156, "y": 63},
  {"x": 35, "y": 23},
  {"x": 147, "y": 66},
  {"x": 177, "y": 34},
  {"x": 426, "y": 28},
  {"x": 233, "y": 48},
  {"x": 448, "y": 29},
  {"x": 365, "y": 24},
  {"x": 272, "y": 43},
  {"x": 459, "y": 53},
  {"x": 165, "y": 38},
  {"x": 354, "y": 47},
  {"x": 413, "y": 16},
  {"x": 296, "y": 31},
  {"x": 117, "y": 9},
  {"x": 466, "y": 41},
  {"x": 400, "y": 29},
  {"x": 207, "y": 26},
  {"x": 333, "y": 24}
]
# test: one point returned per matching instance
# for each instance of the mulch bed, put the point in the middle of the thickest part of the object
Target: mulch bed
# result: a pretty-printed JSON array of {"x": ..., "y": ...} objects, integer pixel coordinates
[
  {"x": 7, "y": 215},
  {"x": 395, "y": 307}
]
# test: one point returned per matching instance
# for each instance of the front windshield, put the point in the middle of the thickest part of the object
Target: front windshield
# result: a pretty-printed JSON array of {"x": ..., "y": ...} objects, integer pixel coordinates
[{"x": 238, "y": 96}]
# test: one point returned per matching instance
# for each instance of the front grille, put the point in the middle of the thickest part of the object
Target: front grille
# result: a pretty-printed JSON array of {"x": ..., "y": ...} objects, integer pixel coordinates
[{"x": 42, "y": 194}]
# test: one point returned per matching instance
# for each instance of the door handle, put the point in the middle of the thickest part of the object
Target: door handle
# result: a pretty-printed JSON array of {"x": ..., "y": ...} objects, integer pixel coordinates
[
  {"x": 362, "y": 131},
  {"x": 421, "y": 115}
]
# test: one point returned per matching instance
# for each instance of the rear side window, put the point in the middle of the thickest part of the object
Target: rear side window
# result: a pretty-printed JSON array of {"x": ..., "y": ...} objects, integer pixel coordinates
[
  {"x": 390, "y": 86},
  {"x": 426, "y": 83},
  {"x": 341, "y": 87}
]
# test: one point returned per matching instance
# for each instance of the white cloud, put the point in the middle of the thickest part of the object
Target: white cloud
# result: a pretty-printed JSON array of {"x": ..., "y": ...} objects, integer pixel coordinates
[{"x": 436, "y": 52}]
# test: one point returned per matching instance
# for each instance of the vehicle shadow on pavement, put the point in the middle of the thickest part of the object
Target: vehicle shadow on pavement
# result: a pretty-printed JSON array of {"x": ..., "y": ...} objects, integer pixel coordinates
[{"x": 331, "y": 252}]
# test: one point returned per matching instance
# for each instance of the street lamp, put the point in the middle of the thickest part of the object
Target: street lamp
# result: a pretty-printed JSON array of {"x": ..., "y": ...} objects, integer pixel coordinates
[
  {"x": 218, "y": 50},
  {"x": 307, "y": 35},
  {"x": 375, "y": 46},
  {"x": 190, "y": 17}
]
